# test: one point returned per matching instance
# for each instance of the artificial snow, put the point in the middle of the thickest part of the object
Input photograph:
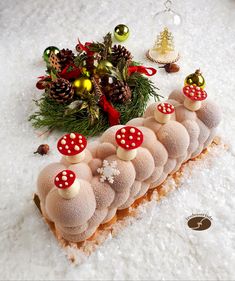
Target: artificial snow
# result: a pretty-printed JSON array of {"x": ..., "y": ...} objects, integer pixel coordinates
[{"x": 157, "y": 244}]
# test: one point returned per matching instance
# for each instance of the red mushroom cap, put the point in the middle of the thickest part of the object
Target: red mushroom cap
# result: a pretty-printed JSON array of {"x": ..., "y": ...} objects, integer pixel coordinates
[
  {"x": 71, "y": 144},
  {"x": 194, "y": 93},
  {"x": 129, "y": 137},
  {"x": 166, "y": 108},
  {"x": 64, "y": 179}
]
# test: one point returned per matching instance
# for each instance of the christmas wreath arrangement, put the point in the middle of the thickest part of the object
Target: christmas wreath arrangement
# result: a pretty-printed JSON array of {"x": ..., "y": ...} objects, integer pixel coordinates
[{"x": 98, "y": 87}]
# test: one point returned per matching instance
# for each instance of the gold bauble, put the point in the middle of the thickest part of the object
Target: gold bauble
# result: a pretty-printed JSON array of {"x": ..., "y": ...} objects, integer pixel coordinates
[
  {"x": 82, "y": 84},
  {"x": 195, "y": 78},
  {"x": 104, "y": 67},
  {"x": 121, "y": 32}
]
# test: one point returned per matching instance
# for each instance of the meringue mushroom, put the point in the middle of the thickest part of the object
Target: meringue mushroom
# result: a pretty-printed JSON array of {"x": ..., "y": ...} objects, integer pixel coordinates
[
  {"x": 67, "y": 184},
  {"x": 163, "y": 112},
  {"x": 128, "y": 138},
  {"x": 193, "y": 97},
  {"x": 72, "y": 146}
]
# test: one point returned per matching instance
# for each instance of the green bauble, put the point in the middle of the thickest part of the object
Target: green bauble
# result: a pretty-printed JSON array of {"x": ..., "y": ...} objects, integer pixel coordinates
[
  {"x": 104, "y": 67},
  {"x": 121, "y": 32},
  {"x": 48, "y": 51}
]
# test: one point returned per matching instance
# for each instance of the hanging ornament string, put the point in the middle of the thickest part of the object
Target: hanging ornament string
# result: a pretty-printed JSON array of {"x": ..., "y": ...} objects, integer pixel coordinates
[
  {"x": 113, "y": 114},
  {"x": 149, "y": 71},
  {"x": 168, "y": 4}
]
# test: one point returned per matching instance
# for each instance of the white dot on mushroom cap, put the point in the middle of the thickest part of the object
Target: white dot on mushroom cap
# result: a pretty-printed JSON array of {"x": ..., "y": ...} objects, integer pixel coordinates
[
  {"x": 168, "y": 109},
  {"x": 138, "y": 133},
  {"x": 72, "y": 136},
  {"x": 60, "y": 185},
  {"x": 130, "y": 137},
  {"x": 72, "y": 142},
  {"x": 69, "y": 151},
  {"x": 66, "y": 183},
  {"x": 64, "y": 173},
  {"x": 76, "y": 147},
  {"x": 118, "y": 136},
  {"x": 63, "y": 142},
  {"x": 164, "y": 110},
  {"x": 138, "y": 138},
  {"x": 191, "y": 86},
  {"x": 64, "y": 178},
  {"x": 127, "y": 146},
  {"x": 123, "y": 130},
  {"x": 123, "y": 141},
  {"x": 57, "y": 179},
  {"x": 66, "y": 146},
  {"x": 64, "y": 137},
  {"x": 132, "y": 130},
  {"x": 133, "y": 144},
  {"x": 191, "y": 94},
  {"x": 123, "y": 136},
  {"x": 80, "y": 141},
  {"x": 187, "y": 91},
  {"x": 80, "y": 137},
  {"x": 82, "y": 145},
  {"x": 198, "y": 88},
  {"x": 60, "y": 148},
  {"x": 71, "y": 175}
]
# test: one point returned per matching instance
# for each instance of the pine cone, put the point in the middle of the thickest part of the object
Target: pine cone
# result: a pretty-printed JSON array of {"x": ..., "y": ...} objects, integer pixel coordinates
[
  {"x": 61, "y": 90},
  {"x": 65, "y": 57},
  {"x": 117, "y": 92},
  {"x": 119, "y": 52}
]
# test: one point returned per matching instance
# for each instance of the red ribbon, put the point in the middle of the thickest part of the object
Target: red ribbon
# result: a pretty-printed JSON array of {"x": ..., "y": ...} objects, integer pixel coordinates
[
  {"x": 74, "y": 73},
  {"x": 113, "y": 114},
  {"x": 149, "y": 71},
  {"x": 85, "y": 47}
]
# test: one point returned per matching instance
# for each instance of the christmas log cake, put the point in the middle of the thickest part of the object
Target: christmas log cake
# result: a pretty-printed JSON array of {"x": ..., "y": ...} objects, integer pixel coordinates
[{"x": 94, "y": 180}]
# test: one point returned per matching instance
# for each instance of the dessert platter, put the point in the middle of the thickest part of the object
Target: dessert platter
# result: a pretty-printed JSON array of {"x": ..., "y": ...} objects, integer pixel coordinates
[{"x": 97, "y": 182}]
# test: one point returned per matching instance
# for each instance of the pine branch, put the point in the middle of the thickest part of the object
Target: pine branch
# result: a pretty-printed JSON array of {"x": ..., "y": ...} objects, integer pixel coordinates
[{"x": 85, "y": 116}]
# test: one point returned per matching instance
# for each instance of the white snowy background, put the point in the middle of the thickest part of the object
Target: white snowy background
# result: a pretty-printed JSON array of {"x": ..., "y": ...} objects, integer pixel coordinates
[{"x": 157, "y": 245}]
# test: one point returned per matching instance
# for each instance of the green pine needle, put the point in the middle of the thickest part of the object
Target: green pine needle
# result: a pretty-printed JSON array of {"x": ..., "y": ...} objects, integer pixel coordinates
[{"x": 52, "y": 115}]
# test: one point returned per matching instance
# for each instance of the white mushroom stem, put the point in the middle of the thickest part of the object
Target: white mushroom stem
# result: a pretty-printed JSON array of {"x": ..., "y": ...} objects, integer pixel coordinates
[
  {"x": 161, "y": 117},
  {"x": 70, "y": 192},
  {"x": 191, "y": 104},
  {"x": 73, "y": 159},
  {"x": 126, "y": 155}
]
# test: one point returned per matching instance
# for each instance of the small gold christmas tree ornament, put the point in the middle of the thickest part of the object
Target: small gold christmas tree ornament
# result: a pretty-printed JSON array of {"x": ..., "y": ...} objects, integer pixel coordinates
[{"x": 163, "y": 51}]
